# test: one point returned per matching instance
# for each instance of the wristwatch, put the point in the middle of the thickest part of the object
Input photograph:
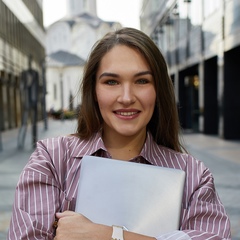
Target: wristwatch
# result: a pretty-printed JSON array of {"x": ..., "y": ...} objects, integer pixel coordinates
[{"x": 117, "y": 232}]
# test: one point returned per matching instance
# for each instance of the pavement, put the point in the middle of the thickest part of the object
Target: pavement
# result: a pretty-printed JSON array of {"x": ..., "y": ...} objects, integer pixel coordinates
[{"x": 221, "y": 156}]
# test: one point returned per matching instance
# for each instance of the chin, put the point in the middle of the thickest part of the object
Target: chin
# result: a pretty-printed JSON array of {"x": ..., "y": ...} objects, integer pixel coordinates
[{"x": 129, "y": 133}]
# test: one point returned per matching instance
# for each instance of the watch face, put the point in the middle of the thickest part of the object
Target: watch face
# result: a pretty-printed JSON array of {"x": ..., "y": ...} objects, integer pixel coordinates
[{"x": 117, "y": 233}]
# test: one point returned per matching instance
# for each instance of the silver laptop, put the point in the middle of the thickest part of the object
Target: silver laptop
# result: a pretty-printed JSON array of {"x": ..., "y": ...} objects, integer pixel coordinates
[{"x": 146, "y": 199}]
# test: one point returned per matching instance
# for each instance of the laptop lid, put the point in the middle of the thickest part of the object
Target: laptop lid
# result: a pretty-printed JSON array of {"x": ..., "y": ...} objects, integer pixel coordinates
[{"x": 146, "y": 199}]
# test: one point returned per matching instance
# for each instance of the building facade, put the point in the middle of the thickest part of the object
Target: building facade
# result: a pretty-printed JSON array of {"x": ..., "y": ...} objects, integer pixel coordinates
[
  {"x": 200, "y": 40},
  {"x": 22, "y": 40},
  {"x": 68, "y": 43}
]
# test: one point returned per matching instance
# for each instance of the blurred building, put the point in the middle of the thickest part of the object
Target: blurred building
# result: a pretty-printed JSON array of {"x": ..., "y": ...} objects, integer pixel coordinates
[
  {"x": 22, "y": 43},
  {"x": 200, "y": 40},
  {"x": 68, "y": 43}
]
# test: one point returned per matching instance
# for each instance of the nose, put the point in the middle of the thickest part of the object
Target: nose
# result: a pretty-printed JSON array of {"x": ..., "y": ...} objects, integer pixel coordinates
[{"x": 127, "y": 95}]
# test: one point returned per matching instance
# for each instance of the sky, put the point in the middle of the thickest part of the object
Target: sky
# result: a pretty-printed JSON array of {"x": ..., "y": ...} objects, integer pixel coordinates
[{"x": 124, "y": 11}]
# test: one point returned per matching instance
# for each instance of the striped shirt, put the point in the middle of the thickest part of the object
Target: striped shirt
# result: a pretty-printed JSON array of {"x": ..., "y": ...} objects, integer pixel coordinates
[{"x": 49, "y": 181}]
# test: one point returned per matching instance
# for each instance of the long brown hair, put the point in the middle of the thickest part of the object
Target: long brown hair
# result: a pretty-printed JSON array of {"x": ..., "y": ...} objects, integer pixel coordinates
[{"x": 164, "y": 124}]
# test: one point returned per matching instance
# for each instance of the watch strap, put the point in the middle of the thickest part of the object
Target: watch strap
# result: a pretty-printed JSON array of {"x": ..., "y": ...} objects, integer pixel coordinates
[{"x": 117, "y": 233}]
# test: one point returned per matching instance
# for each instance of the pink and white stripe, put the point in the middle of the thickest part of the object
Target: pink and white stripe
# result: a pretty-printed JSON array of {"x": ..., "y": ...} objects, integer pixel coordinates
[{"x": 48, "y": 184}]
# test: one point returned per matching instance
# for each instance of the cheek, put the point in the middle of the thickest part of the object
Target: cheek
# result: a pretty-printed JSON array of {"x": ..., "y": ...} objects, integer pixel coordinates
[
  {"x": 150, "y": 98},
  {"x": 102, "y": 99},
  {"x": 105, "y": 97},
  {"x": 98, "y": 95}
]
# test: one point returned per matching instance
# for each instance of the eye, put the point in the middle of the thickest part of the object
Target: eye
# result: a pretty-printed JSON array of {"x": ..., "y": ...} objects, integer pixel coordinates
[
  {"x": 111, "y": 82},
  {"x": 142, "y": 81}
]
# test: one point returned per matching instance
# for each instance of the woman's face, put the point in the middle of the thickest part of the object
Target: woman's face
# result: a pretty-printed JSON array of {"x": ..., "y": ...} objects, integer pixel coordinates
[{"x": 125, "y": 92}]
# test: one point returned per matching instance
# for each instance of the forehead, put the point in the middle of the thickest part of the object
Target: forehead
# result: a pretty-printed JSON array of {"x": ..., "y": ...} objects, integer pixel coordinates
[{"x": 125, "y": 56}]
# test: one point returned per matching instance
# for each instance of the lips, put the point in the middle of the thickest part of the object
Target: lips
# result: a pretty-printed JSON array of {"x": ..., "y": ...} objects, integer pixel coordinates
[{"x": 127, "y": 113}]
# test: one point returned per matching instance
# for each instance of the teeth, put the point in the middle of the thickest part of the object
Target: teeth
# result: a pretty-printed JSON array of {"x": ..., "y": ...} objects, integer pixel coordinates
[{"x": 126, "y": 113}]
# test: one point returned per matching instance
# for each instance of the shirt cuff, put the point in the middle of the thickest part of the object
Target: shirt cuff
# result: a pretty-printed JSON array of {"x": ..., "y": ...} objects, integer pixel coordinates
[{"x": 175, "y": 235}]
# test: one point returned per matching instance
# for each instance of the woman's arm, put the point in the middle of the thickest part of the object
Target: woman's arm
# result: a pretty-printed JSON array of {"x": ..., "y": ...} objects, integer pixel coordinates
[
  {"x": 37, "y": 198},
  {"x": 47, "y": 185},
  {"x": 34, "y": 207},
  {"x": 205, "y": 216},
  {"x": 74, "y": 226}
]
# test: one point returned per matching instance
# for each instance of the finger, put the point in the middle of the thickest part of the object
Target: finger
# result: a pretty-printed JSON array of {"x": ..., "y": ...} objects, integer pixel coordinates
[{"x": 65, "y": 214}]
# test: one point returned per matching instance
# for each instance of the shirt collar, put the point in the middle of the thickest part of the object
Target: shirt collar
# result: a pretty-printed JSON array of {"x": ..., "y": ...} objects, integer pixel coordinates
[
  {"x": 96, "y": 143},
  {"x": 89, "y": 147},
  {"x": 148, "y": 148}
]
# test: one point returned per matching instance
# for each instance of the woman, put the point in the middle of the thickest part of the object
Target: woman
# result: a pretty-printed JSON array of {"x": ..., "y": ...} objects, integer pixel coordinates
[{"x": 129, "y": 113}]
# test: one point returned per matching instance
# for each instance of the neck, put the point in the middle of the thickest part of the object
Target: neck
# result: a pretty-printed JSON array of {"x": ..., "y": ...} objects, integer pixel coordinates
[{"x": 124, "y": 147}]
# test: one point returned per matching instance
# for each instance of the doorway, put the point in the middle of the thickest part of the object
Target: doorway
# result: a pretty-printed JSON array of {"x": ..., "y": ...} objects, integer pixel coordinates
[{"x": 189, "y": 99}]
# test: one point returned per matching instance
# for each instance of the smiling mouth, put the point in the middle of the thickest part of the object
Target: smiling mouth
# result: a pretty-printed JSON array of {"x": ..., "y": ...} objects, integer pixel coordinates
[{"x": 126, "y": 113}]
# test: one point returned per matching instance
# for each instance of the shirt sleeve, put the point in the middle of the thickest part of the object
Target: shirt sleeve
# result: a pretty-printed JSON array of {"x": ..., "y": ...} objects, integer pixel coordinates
[
  {"x": 205, "y": 216},
  {"x": 36, "y": 200},
  {"x": 175, "y": 235}
]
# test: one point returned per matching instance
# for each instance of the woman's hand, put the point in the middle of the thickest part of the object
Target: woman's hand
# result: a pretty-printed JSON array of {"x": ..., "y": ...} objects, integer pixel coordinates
[{"x": 73, "y": 226}]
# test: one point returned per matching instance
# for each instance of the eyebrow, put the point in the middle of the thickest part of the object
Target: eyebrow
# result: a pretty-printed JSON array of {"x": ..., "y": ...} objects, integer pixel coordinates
[
  {"x": 143, "y": 73},
  {"x": 109, "y": 74}
]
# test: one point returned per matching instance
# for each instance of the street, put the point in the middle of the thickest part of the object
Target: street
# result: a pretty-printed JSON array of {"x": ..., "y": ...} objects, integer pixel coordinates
[{"x": 222, "y": 157}]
